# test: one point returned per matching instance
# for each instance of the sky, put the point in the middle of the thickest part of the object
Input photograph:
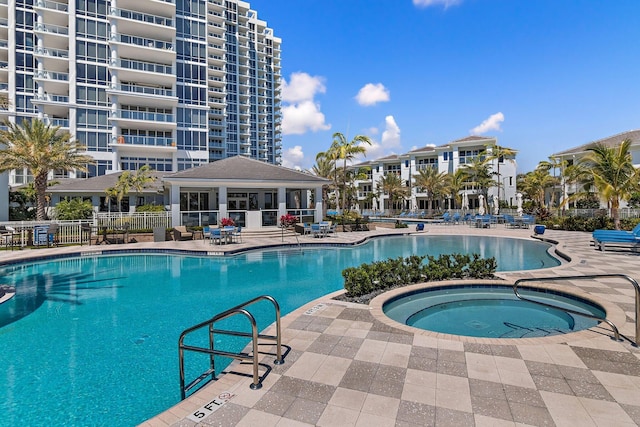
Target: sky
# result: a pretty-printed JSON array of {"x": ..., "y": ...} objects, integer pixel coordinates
[{"x": 541, "y": 76}]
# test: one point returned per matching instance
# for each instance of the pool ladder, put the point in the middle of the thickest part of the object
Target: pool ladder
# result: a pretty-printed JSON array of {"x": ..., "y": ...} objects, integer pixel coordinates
[
  {"x": 613, "y": 327},
  {"x": 212, "y": 352}
]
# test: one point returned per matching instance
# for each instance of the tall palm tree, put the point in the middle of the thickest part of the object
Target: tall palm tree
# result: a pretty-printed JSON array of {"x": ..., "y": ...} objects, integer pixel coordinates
[
  {"x": 40, "y": 148},
  {"x": 391, "y": 185},
  {"x": 456, "y": 183},
  {"x": 554, "y": 163},
  {"x": 499, "y": 152},
  {"x": 613, "y": 174},
  {"x": 432, "y": 182},
  {"x": 346, "y": 151},
  {"x": 479, "y": 176},
  {"x": 534, "y": 184}
]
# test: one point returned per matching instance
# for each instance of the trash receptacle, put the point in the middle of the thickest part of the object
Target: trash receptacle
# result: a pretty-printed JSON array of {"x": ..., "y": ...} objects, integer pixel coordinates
[{"x": 159, "y": 234}]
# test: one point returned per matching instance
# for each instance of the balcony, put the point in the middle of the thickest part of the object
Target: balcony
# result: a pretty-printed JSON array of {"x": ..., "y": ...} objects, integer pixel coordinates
[
  {"x": 144, "y": 120},
  {"x": 53, "y": 82},
  {"x": 150, "y": 141},
  {"x": 144, "y": 49},
  {"x": 53, "y": 105},
  {"x": 148, "y": 24},
  {"x": 52, "y": 12},
  {"x": 144, "y": 95},
  {"x": 145, "y": 72}
]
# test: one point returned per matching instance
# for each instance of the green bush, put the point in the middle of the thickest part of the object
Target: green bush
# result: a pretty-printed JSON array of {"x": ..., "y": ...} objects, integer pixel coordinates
[
  {"x": 150, "y": 208},
  {"x": 381, "y": 275},
  {"x": 73, "y": 209}
]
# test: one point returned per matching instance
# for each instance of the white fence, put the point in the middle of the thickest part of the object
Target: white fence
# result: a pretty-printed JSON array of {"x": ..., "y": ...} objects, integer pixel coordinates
[{"x": 136, "y": 220}]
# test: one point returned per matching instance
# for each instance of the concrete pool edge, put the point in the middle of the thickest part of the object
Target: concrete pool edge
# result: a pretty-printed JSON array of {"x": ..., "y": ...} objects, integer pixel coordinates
[{"x": 614, "y": 313}]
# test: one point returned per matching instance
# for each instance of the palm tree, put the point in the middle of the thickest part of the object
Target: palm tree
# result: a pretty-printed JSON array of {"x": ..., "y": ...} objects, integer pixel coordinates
[
  {"x": 40, "y": 148},
  {"x": 432, "y": 182},
  {"x": 141, "y": 179},
  {"x": 554, "y": 163},
  {"x": 534, "y": 184},
  {"x": 456, "y": 183},
  {"x": 613, "y": 174},
  {"x": 498, "y": 152},
  {"x": 391, "y": 185},
  {"x": 346, "y": 151},
  {"x": 479, "y": 175},
  {"x": 120, "y": 189}
]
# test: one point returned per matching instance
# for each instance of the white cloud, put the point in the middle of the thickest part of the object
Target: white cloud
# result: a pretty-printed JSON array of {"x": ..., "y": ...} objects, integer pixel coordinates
[
  {"x": 293, "y": 157},
  {"x": 302, "y": 117},
  {"x": 492, "y": 123},
  {"x": 391, "y": 134},
  {"x": 300, "y": 112},
  {"x": 428, "y": 3},
  {"x": 371, "y": 94},
  {"x": 390, "y": 140},
  {"x": 302, "y": 87}
]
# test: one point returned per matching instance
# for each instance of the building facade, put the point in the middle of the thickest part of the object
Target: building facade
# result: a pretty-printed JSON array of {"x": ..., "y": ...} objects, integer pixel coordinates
[
  {"x": 573, "y": 155},
  {"x": 447, "y": 158},
  {"x": 172, "y": 84}
]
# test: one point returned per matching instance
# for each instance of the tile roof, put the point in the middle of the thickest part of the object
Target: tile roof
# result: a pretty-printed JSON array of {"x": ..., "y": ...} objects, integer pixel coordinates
[
  {"x": 611, "y": 141},
  {"x": 244, "y": 169},
  {"x": 98, "y": 184}
]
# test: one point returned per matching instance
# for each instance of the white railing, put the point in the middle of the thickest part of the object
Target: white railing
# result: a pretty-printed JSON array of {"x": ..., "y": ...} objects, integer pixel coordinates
[
  {"x": 136, "y": 220},
  {"x": 27, "y": 233}
]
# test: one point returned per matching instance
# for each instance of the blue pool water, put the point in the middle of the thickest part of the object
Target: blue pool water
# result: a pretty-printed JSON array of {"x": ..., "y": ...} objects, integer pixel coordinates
[
  {"x": 490, "y": 312},
  {"x": 93, "y": 340}
]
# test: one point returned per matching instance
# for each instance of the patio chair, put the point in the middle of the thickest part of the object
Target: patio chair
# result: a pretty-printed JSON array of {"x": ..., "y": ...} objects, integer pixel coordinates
[
  {"x": 86, "y": 230},
  {"x": 216, "y": 236},
  {"x": 456, "y": 218},
  {"x": 52, "y": 235},
  {"x": 316, "y": 230},
  {"x": 180, "y": 233},
  {"x": 206, "y": 233},
  {"x": 237, "y": 234}
]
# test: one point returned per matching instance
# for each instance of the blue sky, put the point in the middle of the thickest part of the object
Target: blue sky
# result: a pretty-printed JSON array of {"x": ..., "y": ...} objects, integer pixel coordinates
[{"x": 541, "y": 76}]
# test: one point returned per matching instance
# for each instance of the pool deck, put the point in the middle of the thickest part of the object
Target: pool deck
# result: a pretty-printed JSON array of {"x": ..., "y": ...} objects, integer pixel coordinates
[{"x": 348, "y": 366}]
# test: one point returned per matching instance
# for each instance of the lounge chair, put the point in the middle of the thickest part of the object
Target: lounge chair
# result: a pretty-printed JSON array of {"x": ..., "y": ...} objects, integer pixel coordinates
[
  {"x": 617, "y": 237},
  {"x": 180, "y": 233},
  {"x": 456, "y": 218}
]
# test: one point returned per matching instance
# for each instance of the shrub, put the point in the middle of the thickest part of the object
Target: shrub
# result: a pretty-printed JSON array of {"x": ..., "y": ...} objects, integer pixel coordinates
[
  {"x": 381, "y": 275},
  {"x": 73, "y": 209},
  {"x": 150, "y": 208}
]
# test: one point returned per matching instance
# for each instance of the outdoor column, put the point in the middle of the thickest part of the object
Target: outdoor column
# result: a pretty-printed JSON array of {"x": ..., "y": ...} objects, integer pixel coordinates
[
  {"x": 222, "y": 200},
  {"x": 175, "y": 205},
  {"x": 282, "y": 201},
  {"x": 319, "y": 204}
]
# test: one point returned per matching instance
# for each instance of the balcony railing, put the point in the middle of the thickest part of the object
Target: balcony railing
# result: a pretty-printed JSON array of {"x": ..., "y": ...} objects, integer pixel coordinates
[
  {"x": 144, "y": 115},
  {"x": 144, "y": 42},
  {"x": 54, "y": 5},
  {"x": 145, "y": 66},
  {"x": 52, "y": 29},
  {"x": 146, "y": 90},
  {"x": 52, "y": 98},
  {"x": 52, "y": 75},
  {"x": 146, "y": 140},
  {"x": 142, "y": 17},
  {"x": 56, "y": 53}
]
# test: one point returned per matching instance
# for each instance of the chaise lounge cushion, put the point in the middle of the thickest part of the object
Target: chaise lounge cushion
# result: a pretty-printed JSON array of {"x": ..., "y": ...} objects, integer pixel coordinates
[{"x": 180, "y": 233}]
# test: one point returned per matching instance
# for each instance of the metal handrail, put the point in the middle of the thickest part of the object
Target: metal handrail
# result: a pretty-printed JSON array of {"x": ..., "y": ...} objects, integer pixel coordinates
[
  {"x": 211, "y": 351},
  {"x": 589, "y": 276}
]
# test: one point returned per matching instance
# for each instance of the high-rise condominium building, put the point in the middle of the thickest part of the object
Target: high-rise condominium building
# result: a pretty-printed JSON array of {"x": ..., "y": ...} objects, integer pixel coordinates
[{"x": 167, "y": 83}]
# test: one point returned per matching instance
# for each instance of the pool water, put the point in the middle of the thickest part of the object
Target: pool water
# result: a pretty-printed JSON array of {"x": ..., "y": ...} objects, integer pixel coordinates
[
  {"x": 92, "y": 340},
  {"x": 491, "y": 312}
]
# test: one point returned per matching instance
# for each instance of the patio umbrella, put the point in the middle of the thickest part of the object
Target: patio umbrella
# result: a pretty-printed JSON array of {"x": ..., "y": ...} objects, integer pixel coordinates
[
  {"x": 465, "y": 202},
  {"x": 519, "y": 203},
  {"x": 481, "y": 207},
  {"x": 496, "y": 205}
]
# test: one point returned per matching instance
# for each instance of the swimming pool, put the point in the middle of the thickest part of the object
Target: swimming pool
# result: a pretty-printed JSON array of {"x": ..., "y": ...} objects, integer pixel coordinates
[
  {"x": 93, "y": 340},
  {"x": 491, "y": 311}
]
